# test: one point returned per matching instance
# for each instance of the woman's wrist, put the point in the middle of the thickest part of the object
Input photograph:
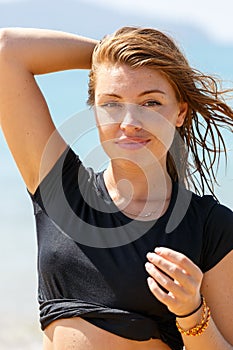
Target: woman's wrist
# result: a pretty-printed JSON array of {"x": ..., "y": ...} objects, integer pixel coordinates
[
  {"x": 190, "y": 321},
  {"x": 194, "y": 311},
  {"x": 196, "y": 323}
]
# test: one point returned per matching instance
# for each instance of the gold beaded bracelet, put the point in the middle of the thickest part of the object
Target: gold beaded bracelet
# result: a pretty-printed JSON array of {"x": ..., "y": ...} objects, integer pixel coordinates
[{"x": 199, "y": 328}]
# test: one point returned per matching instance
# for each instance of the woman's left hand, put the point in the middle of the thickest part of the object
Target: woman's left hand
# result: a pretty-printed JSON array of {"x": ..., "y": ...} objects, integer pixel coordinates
[{"x": 174, "y": 280}]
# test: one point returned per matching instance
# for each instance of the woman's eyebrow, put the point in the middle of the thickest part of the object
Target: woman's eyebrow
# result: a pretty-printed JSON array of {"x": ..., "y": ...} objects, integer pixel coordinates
[
  {"x": 108, "y": 95},
  {"x": 151, "y": 91},
  {"x": 141, "y": 94}
]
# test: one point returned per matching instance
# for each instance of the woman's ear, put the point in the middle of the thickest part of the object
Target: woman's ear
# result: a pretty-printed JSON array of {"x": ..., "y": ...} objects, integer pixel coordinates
[{"x": 183, "y": 109}]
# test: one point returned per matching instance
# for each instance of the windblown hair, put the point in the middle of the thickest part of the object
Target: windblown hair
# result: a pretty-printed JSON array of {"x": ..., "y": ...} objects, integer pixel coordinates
[{"x": 194, "y": 155}]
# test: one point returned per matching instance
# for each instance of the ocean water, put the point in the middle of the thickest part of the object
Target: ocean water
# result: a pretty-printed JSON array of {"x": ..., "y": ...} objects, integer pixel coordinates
[
  {"x": 19, "y": 327},
  {"x": 66, "y": 95}
]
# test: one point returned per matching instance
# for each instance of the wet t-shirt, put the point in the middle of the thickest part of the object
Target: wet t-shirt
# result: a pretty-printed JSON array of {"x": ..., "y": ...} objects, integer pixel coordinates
[{"x": 91, "y": 256}]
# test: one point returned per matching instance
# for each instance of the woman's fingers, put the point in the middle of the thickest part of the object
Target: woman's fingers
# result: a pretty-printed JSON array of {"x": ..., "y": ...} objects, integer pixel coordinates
[
  {"x": 178, "y": 266},
  {"x": 155, "y": 288},
  {"x": 162, "y": 279},
  {"x": 174, "y": 280}
]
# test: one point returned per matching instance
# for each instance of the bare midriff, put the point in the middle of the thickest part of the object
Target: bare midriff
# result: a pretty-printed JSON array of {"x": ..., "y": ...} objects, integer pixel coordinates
[{"x": 78, "y": 334}]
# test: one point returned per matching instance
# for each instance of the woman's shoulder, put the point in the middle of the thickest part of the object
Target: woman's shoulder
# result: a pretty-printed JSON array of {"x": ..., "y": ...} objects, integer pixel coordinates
[
  {"x": 217, "y": 239},
  {"x": 211, "y": 207},
  {"x": 187, "y": 206},
  {"x": 205, "y": 205},
  {"x": 203, "y": 211}
]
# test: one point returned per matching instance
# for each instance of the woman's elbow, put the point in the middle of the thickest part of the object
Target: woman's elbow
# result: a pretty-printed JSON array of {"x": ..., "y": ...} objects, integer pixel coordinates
[{"x": 8, "y": 42}]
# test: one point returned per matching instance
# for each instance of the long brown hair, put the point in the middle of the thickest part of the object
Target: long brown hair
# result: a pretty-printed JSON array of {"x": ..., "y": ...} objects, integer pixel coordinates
[{"x": 194, "y": 155}]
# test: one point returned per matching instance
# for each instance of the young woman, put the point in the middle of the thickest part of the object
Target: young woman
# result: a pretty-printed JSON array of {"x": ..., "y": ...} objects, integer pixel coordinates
[{"x": 128, "y": 258}]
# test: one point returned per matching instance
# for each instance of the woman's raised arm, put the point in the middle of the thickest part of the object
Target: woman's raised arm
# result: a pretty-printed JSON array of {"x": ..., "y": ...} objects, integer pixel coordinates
[{"x": 24, "y": 115}]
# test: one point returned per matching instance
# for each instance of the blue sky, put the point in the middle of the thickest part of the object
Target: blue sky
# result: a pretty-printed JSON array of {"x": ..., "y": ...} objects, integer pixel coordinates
[{"x": 214, "y": 17}]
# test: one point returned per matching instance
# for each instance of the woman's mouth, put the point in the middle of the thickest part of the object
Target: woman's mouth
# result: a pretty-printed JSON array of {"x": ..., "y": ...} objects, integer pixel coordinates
[{"x": 132, "y": 143}]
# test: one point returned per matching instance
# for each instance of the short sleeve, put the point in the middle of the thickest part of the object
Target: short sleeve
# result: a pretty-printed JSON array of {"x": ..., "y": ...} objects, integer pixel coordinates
[
  {"x": 218, "y": 236},
  {"x": 62, "y": 186}
]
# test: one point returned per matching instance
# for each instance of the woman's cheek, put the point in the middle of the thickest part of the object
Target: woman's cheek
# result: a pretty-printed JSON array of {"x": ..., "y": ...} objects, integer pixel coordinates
[{"x": 160, "y": 127}]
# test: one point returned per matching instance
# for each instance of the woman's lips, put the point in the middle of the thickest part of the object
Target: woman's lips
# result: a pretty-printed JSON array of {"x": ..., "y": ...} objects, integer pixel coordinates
[{"x": 132, "y": 143}]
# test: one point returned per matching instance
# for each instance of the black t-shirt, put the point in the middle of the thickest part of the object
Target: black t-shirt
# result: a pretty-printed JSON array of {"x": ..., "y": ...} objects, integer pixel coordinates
[{"x": 91, "y": 256}]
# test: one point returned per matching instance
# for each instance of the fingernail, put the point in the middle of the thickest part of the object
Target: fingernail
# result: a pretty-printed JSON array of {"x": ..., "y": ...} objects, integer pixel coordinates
[
  {"x": 149, "y": 255},
  {"x": 147, "y": 266},
  {"x": 158, "y": 250},
  {"x": 150, "y": 280}
]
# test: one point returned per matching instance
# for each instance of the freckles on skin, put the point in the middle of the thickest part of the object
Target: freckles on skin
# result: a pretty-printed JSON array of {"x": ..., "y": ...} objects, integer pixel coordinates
[
  {"x": 124, "y": 84},
  {"x": 149, "y": 100}
]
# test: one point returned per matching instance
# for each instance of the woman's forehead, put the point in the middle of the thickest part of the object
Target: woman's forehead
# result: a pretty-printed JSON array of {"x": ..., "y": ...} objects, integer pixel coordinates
[{"x": 112, "y": 78}]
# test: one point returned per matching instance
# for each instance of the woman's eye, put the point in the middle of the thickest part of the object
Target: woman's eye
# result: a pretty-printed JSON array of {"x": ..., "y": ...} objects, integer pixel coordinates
[
  {"x": 151, "y": 103},
  {"x": 111, "y": 105}
]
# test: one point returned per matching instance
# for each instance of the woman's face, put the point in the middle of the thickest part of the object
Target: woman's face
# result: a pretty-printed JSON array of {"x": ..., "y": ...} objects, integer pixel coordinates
[{"x": 136, "y": 112}]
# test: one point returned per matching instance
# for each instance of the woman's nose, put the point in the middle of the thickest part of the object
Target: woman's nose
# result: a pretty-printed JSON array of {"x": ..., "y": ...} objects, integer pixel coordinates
[{"x": 131, "y": 119}]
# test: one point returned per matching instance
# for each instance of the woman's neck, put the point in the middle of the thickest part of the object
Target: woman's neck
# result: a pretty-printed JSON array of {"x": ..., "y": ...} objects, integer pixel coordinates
[{"x": 130, "y": 187}]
